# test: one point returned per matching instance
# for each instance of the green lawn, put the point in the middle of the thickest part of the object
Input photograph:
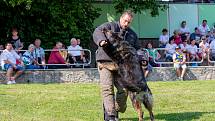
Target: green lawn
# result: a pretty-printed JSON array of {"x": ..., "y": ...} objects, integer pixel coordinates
[{"x": 174, "y": 101}]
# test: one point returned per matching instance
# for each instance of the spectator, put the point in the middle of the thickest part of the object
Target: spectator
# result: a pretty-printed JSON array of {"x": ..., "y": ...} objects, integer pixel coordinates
[
  {"x": 212, "y": 36},
  {"x": 204, "y": 47},
  {"x": 56, "y": 58},
  {"x": 63, "y": 52},
  {"x": 15, "y": 40},
  {"x": 177, "y": 37},
  {"x": 164, "y": 38},
  {"x": 146, "y": 67},
  {"x": 28, "y": 58},
  {"x": 184, "y": 29},
  {"x": 185, "y": 47},
  {"x": 196, "y": 35},
  {"x": 9, "y": 63},
  {"x": 212, "y": 50},
  {"x": 179, "y": 60},
  {"x": 170, "y": 49},
  {"x": 193, "y": 51},
  {"x": 39, "y": 53},
  {"x": 204, "y": 28},
  {"x": 75, "y": 53},
  {"x": 153, "y": 55}
]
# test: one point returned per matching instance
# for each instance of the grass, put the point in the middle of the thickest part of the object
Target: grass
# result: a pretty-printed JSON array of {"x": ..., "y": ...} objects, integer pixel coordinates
[{"x": 174, "y": 101}]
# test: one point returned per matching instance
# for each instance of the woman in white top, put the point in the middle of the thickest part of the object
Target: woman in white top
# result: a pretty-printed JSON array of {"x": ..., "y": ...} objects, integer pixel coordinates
[{"x": 170, "y": 49}]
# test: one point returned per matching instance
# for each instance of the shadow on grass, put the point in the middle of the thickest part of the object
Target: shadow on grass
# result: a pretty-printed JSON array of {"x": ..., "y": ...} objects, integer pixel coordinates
[{"x": 186, "y": 116}]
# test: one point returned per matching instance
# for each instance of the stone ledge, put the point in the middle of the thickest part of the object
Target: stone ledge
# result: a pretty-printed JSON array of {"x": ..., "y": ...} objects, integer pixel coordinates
[{"x": 91, "y": 75}]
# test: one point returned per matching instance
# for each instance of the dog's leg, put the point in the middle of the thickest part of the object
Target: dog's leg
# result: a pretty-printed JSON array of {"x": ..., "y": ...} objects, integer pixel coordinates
[
  {"x": 148, "y": 103},
  {"x": 137, "y": 105}
]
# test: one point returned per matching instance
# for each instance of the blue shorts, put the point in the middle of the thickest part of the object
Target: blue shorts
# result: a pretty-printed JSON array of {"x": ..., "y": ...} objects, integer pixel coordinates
[{"x": 18, "y": 67}]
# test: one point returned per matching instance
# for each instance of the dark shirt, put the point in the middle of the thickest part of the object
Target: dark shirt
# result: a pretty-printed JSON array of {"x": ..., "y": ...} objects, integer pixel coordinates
[
  {"x": 15, "y": 42},
  {"x": 129, "y": 36}
]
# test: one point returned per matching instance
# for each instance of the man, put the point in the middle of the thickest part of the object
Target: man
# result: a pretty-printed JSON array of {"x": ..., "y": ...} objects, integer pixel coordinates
[
  {"x": 108, "y": 69},
  {"x": 39, "y": 53},
  {"x": 9, "y": 63},
  {"x": 204, "y": 28},
  {"x": 179, "y": 60}
]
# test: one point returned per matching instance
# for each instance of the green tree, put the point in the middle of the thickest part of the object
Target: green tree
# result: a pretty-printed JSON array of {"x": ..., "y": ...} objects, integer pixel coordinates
[
  {"x": 139, "y": 5},
  {"x": 49, "y": 20}
]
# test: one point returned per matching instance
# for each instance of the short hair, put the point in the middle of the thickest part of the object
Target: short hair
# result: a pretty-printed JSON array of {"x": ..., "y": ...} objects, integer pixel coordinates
[
  {"x": 37, "y": 40},
  {"x": 31, "y": 46},
  {"x": 128, "y": 12},
  {"x": 183, "y": 22},
  {"x": 73, "y": 39},
  {"x": 14, "y": 29},
  {"x": 204, "y": 20},
  {"x": 196, "y": 28},
  {"x": 171, "y": 38},
  {"x": 8, "y": 43},
  {"x": 59, "y": 42},
  {"x": 164, "y": 30}
]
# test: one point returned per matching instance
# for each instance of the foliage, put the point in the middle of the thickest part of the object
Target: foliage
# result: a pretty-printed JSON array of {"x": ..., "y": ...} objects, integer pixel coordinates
[
  {"x": 139, "y": 5},
  {"x": 48, "y": 20},
  {"x": 173, "y": 101}
]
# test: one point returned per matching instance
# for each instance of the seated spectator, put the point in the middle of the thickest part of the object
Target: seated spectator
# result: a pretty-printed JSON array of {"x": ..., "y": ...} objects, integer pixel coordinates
[
  {"x": 15, "y": 40},
  {"x": 212, "y": 50},
  {"x": 164, "y": 38},
  {"x": 204, "y": 48},
  {"x": 9, "y": 63},
  {"x": 179, "y": 60},
  {"x": 204, "y": 28},
  {"x": 39, "y": 53},
  {"x": 184, "y": 29},
  {"x": 63, "y": 52},
  {"x": 56, "y": 58},
  {"x": 153, "y": 55},
  {"x": 196, "y": 35},
  {"x": 177, "y": 37},
  {"x": 28, "y": 58},
  {"x": 185, "y": 47},
  {"x": 212, "y": 36},
  {"x": 75, "y": 53},
  {"x": 193, "y": 51},
  {"x": 170, "y": 49}
]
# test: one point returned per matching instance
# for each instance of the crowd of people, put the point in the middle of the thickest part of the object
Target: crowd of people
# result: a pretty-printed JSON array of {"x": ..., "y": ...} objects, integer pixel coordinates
[{"x": 13, "y": 59}]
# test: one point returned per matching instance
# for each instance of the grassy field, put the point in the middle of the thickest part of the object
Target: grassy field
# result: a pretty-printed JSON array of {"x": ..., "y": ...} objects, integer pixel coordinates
[{"x": 174, "y": 101}]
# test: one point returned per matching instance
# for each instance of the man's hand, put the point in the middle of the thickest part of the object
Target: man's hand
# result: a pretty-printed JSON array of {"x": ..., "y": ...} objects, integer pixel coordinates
[{"x": 103, "y": 43}]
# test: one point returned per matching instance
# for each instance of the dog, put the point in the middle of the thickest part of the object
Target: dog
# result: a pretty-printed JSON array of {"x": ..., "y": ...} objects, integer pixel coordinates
[{"x": 130, "y": 71}]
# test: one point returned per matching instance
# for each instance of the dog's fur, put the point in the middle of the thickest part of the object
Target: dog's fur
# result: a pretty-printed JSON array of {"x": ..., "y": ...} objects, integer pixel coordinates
[{"x": 130, "y": 71}]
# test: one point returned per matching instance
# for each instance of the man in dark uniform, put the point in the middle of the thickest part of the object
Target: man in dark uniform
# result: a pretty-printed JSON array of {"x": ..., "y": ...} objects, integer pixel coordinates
[{"x": 108, "y": 69}]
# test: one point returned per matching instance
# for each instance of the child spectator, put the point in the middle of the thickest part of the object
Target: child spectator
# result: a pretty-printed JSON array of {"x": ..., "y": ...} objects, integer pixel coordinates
[
  {"x": 164, "y": 38},
  {"x": 204, "y": 49},
  {"x": 153, "y": 55},
  {"x": 28, "y": 58},
  {"x": 177, "y": 37},
  {"x": 193, "y": 51},
  {"x": 9, "y": 63},
  {"x": 179, "y": 60},
  {"x": 170, "y": 49},
  {"x": 204, "y": 28},
  {"x": 185, "y": 47},
  {"x": 15, "y": 40}
]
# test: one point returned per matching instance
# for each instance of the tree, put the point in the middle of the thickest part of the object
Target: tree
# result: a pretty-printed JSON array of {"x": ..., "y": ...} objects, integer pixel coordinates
[
  {"x": 49, "y": 20},
  {"x": 139, "y": 5}
]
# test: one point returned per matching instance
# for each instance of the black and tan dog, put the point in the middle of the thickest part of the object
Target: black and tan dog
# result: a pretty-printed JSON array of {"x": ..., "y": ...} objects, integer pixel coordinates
[{"x": 130, "y": 71}]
